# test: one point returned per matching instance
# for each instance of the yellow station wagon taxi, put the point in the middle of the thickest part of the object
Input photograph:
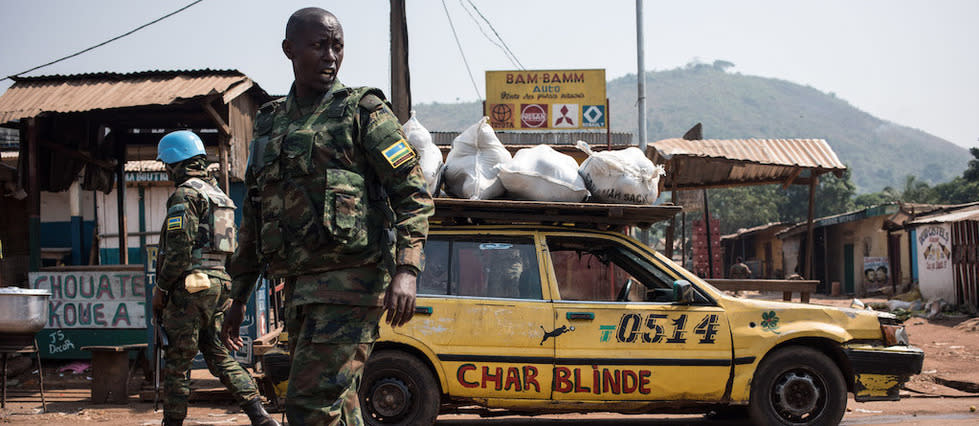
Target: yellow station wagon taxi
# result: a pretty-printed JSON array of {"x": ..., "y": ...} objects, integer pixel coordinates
[{"x": 545, "y": 307}]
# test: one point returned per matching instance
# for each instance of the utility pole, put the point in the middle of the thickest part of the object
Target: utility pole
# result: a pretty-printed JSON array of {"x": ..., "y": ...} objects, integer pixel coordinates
[
  {"x": 400, "y": 77},
  {"x": 641, "y": 76}
]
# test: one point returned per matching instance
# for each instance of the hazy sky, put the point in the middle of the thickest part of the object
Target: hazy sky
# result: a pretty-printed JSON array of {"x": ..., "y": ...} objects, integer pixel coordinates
[{"x": 912, "y": 62}]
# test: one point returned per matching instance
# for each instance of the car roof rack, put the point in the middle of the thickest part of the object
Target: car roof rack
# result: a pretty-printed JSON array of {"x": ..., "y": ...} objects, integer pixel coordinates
[{"x": 454, "y": 211}]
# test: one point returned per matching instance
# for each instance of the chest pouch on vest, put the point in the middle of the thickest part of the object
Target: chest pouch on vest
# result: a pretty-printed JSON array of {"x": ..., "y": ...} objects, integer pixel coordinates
[
  {"x": 223, "y": 234},
  {"x": 345, "y": 209},
  {"x": 297, "y": 148}
]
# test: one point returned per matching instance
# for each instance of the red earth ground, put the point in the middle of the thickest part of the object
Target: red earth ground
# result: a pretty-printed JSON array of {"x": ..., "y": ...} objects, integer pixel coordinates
[{"x": 951, "y": 348}]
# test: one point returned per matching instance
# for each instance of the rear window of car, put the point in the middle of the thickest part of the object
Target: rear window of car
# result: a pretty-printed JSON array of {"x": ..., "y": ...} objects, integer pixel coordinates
[{"x": 480, "y": 267}]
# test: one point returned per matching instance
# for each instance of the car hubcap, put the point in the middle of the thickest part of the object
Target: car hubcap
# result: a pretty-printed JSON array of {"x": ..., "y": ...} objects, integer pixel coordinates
[
  {"x": 390, "y": 397},
  {"x": 797, "y": 394}
]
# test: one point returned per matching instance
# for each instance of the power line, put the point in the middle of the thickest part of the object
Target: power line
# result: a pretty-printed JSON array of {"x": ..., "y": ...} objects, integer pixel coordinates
[
  {"x": 497, "y": 34},
  {"x": 512, "y": 59},
  {"x": 104, "y": 42},
  {"x": 461, "y": 52}
]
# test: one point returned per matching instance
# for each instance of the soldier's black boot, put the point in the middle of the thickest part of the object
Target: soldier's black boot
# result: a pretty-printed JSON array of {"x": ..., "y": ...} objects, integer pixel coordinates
[
  {"x": 170, "y": 421},
  {"x": 257, "y": 414}
]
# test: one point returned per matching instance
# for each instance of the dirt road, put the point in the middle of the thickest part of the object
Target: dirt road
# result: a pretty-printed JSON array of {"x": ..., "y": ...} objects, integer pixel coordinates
[{"x": 946, "y": 393}]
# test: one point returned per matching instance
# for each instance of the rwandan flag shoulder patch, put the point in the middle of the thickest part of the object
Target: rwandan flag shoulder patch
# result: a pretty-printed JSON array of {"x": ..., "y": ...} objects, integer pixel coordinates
[
  {"x": 398, "y": 153},
  {"x": 175, "y": 223}
]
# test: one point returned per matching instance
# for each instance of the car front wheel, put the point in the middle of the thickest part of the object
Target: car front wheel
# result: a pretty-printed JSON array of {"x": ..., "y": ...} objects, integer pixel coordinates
[
  {"x": 398, "y": 389},
  {"x": 798, "y": 386}
]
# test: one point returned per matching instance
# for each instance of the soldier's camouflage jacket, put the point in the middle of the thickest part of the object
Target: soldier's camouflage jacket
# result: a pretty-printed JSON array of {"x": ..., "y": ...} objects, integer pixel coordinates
[
  {"x": 323, "y": 190},
  {"x": 192, "y": 238}
]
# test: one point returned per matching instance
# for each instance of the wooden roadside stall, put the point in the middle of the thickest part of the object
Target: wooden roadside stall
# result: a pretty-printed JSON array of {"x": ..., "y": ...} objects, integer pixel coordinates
[
  {"x": 700, "y": 164},
  {"x": 81, "y": 131}
]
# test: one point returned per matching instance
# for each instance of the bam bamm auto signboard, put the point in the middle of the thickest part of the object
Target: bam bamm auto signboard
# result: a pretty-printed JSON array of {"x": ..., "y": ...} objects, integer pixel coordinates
[{"x": 546, "y": 99}]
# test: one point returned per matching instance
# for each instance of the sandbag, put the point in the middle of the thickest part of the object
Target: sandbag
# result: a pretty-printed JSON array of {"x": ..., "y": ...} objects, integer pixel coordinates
[
  {"x": 622, "y": 176},
  {"x": 429, "y": 155},
  {"x": 543, "y": 174},
  {"x": 472, "y": 166}
]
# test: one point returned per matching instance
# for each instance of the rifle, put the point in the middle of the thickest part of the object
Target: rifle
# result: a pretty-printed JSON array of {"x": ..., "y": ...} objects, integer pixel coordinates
[{"x": 160, "y": 341}]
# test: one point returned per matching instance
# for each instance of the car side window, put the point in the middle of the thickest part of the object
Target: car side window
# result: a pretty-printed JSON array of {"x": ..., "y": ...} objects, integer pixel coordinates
[
  {"x": 480, "y": 267},
  {"x": 604, "y": 271}
]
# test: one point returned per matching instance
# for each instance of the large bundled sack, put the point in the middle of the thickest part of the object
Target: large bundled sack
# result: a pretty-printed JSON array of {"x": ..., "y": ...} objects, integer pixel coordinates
[
  {"x": 622, "y": 176},
  {"x": 472, "y": 166},
  {"x": 429, "y": 155},
  {"x": 543, "y": 174}
]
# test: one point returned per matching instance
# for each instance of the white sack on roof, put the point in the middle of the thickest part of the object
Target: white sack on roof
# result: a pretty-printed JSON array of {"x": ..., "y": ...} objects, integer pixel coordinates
[
  {"x": 472, "y": 166},
  {"x": 622, "y": 176},
  {"x": 429, "y": 155},
  {"x": 543, "y": 174}
]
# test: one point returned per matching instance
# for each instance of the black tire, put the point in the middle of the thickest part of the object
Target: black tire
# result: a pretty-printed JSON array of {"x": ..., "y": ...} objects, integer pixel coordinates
[
  {"x": 797, "y": 386},
  {"x": 398, "y": 389}
]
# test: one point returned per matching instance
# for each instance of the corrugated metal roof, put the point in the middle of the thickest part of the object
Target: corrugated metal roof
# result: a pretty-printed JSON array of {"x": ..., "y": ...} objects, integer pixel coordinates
[
  {"x": 757, "y": 229},
  {"x": 730, "y": 162},
  {"x": 968, "y": 213},
  {"x": 30, "y": 96},
  {"x": 809, "y": 153},
  {"x": 836, "y": 219}
]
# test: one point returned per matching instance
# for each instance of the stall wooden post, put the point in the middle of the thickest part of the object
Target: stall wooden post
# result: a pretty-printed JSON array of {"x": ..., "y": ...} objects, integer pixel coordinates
[
  {"x": 120, "y": 195},
  {"x": 224, "y": 142},
  {"x": 34, "y": 203},
  {"x": 809, "y": 243}
]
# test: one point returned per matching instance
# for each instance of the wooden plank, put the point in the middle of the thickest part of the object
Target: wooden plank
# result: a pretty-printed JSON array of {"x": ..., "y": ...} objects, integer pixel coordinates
[
  {"x": 765, "y": 285},
  {"x": 216, "y": 118},
  {"x": 547, "y": 212},
  {"x": 110, "y": 377},
  {"x": 787, "y": 287},
  {"x": 116, "y": 348}
]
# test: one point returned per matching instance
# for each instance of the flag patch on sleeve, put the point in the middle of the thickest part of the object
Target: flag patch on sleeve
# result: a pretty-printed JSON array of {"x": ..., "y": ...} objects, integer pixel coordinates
[
  {"x": 175, "y": 223},
  {"x": 398, "y": 153}
]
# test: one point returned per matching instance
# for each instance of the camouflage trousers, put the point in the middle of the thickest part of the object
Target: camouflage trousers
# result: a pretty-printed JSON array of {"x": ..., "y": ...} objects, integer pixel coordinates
[
  {"x": 193, "y": 322},
  {"x": 328, "y": 357}
]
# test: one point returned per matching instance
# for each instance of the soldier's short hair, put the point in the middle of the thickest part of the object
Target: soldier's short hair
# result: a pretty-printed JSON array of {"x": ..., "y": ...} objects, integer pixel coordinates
[{"x": 301, "y": 17}]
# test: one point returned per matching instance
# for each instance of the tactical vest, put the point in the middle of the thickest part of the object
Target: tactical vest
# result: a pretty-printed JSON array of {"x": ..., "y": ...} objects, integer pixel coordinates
[
  {"x": 217, "y": 236},
  {"x": 311, "y": 195}
]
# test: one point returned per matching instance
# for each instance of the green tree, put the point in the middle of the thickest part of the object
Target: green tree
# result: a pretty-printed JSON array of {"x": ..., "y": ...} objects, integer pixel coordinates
[
  {"x": 834, "y": 195},
  {"x": 916, "y": 191},
  {"x": 971, "y": 173},
  {"x": 863, "y": 201},
  {"x": 744, "y": 207}
]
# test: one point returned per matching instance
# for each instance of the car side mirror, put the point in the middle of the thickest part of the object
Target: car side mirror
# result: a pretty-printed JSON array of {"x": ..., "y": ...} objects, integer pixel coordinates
[{"x": 683, "y": 292}]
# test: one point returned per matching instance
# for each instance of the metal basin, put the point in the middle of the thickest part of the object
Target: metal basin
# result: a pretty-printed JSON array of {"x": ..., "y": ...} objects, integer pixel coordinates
[{"x": 23, "y": 311}]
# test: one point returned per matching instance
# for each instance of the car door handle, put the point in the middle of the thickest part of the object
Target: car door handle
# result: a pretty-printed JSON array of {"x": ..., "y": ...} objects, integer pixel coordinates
[
  {"x": 423, "y": 310},
  {"x": 580, "y": 316}
]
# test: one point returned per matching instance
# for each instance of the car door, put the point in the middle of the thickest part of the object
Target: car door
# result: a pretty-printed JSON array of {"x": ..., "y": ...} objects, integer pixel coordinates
[
  {"x": 618, "y": 334},
  {"x": 481, "y": 309}
]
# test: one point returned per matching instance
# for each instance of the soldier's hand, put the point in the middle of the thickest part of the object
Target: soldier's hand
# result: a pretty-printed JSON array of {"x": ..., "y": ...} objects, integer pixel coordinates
[
  {"x": 399, "y": 301},
  {"x": 159, "y": 302},
  {"x": 232, "y": 323}
]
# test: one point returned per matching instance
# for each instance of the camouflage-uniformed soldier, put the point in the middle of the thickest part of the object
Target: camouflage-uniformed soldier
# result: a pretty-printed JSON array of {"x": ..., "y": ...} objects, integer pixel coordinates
[
  {"x": 336, "y": 205},
  {"x": 192, "y": 287}
]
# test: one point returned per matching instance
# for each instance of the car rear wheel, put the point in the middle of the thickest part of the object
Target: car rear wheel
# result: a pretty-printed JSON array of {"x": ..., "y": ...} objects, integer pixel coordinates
[
  {"x": 798, "y": 386},
  {"x": 398, "y": 389}
]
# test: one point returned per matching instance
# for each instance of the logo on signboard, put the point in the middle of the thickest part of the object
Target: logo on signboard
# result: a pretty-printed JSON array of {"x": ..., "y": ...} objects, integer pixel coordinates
[
  {"x": 593, "y": 116},
  {"x": 533, "y": 115},
  {"x": 564, "y": 115},
  {"x": 501, "y": 116}
]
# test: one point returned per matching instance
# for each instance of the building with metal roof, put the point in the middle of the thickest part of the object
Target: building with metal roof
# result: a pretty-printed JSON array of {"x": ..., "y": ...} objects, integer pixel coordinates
[
  {"x": 82, "y": 131},
  {"x": 711, "y": 163}
]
